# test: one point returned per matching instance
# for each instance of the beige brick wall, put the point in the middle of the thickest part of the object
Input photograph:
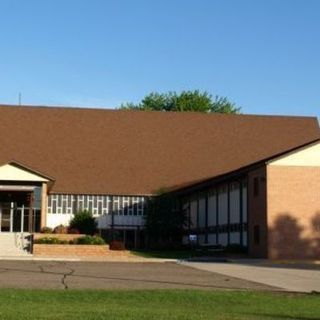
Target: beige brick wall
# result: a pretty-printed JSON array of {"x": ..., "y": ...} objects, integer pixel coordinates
[{"x": 293, "y": 205}]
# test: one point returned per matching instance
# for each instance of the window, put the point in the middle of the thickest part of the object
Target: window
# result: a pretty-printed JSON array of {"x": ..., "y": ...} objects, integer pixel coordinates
[
  {"x": 255, "y": 186},
  {"x": 126, "y": 204},
  {"x": 116, "y": 205},
  {"x": 97, "y": 204}
]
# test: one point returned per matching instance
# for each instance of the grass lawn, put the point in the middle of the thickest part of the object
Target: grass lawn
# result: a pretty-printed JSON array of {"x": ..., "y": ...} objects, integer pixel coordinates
[{"x": 158, "y": 304}]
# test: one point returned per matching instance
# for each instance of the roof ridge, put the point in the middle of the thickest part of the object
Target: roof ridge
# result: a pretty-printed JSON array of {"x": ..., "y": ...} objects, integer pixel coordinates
[{"x": 107, "y": 109}]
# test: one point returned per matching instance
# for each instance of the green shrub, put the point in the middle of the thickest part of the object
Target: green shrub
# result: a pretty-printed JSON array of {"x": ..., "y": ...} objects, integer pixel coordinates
[
  {"x": 46, "y": 230},
  {"x": 91, "y": 240},
  {"x": 73, "y": 231},
  {"x": 60, "y": 229},
  {"x": 84, "y": 222},
  {"x": 50, "y": 240},
  {"x": 165, "y": 222}
]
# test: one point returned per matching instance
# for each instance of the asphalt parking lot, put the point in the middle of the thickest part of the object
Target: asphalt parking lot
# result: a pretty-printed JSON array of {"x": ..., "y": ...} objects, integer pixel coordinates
[{"x": 115, "y": 275}]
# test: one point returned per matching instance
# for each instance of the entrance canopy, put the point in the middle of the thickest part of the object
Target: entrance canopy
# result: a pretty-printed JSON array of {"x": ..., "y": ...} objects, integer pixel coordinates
[{"x": 23, "y": 193}]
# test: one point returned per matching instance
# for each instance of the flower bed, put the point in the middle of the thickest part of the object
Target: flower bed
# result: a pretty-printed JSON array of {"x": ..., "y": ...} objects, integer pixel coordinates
[
  {"x": 60, "y": 236},
  {"x": 70, "y": 246},
  {"x": 82, "y": 240}
]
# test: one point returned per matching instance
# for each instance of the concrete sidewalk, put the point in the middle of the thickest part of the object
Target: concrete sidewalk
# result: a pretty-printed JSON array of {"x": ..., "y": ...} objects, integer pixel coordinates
[{"x": 285, "y": 278}]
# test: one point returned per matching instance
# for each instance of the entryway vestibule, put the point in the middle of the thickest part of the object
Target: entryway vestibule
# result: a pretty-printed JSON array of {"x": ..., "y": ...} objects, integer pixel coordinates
[{"x": 20, "y": 208}]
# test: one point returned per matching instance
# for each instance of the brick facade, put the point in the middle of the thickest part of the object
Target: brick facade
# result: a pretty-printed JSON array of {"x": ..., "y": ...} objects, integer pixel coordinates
[
  {"x": 293, "y": 212},
  {"x": 71, "y": 250},
  {"x": 257, "y": 213}
]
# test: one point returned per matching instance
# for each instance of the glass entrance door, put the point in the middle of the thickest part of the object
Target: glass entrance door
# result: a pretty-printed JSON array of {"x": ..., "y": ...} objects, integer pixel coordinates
[
  {"x": 20, "y": 209},
  {"x": 6, "y": 212},
  {"x": 18, "y": 219},
  {"x": 12, "y": 218},
  {"x": 17, "y": 223}
]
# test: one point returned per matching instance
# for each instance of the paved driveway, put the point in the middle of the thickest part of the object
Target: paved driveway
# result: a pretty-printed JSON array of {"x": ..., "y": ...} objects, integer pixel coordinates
[
  {"x": 114, "y": 275},
  {"x": 286, "y": 277}
]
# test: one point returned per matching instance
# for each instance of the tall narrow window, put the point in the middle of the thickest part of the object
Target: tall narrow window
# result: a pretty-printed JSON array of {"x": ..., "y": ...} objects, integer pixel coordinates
[
  {"x": 256, "y": 186},
  {"x": 256, "y": 234}
]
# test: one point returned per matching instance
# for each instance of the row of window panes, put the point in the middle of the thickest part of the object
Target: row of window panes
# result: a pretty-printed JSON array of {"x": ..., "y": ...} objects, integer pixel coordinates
[
  {"x": 232, "y": 186},
  {"x": 233, "y": 227},
  {"x": 225, "y": 228},
  {"x": 98, "y": 205}
]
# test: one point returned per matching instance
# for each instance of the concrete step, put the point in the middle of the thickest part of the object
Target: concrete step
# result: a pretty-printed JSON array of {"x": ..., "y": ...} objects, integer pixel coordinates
[
  {"x": 14, "y": 244},
  {"x": 11, "y": 253},
  {"x": 5, "y": 254}
]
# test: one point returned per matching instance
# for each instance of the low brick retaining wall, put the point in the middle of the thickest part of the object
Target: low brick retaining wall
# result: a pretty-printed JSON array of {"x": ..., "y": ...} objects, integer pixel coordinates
[{"x": 70, "y": 250}]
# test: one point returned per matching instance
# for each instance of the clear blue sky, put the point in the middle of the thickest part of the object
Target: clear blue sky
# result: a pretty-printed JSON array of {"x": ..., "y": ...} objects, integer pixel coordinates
[{"x": 263, "y": 55}]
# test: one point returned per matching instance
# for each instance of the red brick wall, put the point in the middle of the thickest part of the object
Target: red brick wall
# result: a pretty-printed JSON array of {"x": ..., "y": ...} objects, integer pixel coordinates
[
  {"x": 257, "y": 213},
  {"x": 293, "y": 212},
  {"x": 70, "y": 250}
]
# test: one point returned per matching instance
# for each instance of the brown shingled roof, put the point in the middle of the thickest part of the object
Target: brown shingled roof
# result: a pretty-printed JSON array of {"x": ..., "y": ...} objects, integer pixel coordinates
[{"x": 99, "y": 151}]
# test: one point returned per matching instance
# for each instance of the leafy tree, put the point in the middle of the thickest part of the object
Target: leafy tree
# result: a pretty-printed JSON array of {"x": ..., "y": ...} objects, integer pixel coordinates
[
  {"x": 165, "y": 221},
  {"x": 184, "y": 101},
  {"x": 84, "y": 222}
]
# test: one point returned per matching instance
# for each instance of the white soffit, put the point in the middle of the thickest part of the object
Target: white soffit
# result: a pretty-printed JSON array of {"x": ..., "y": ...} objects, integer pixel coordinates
[
  {"x": 10, "y": 172},
  {"x": 308, "y": 156},
  {"x": 16, "y": 188}
]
